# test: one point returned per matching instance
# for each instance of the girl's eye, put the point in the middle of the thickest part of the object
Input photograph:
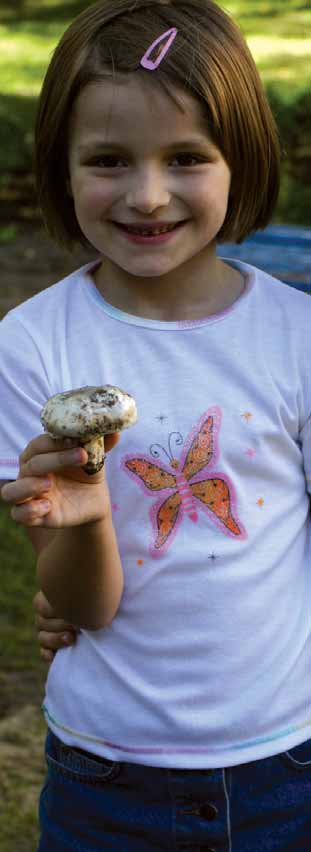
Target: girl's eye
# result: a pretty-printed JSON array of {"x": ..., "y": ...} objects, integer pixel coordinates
[
  {"x": 189, "y": 157},
  {"x": 108, "y": 160}
]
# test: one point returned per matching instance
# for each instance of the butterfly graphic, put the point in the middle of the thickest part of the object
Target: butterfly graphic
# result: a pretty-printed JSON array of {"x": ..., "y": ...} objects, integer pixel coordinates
[{"x": 180, "y": 497}]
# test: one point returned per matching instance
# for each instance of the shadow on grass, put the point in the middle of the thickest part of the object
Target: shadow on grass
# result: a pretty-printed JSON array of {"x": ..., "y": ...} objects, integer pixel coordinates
[
  {"x": 17, "y": 120},
  {"x": 260, "y": 18},
  {"x": 56, "y": 10},
  {"x": 20, "y": 10},
  {"x": 21, "y": 668},
  {"x": 268, "y": 9},
  {"x": 284, "y": 66}
]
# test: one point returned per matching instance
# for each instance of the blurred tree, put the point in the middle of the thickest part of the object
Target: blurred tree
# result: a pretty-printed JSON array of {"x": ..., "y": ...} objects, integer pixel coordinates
[
  {"x": 34, "y": 10},
  {"x": 17, "y": 6}
]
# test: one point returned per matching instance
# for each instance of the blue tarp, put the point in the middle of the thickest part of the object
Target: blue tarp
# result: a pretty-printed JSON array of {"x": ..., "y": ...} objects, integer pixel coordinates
[{"x": 281, "y": 250}]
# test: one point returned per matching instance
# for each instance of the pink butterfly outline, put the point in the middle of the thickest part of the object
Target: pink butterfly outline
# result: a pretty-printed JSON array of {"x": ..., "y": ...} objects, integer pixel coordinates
[{"x": 175, "y": 496}]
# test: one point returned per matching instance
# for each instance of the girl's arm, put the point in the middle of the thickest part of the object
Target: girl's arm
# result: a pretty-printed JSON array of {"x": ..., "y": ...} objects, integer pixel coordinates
[
  {"x": 81, "y": 575},
  {"x": 79, "y": 569}
]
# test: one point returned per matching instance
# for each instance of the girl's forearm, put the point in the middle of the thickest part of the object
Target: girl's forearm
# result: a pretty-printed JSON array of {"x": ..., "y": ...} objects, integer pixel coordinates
[{"x": 81, "y": 575}]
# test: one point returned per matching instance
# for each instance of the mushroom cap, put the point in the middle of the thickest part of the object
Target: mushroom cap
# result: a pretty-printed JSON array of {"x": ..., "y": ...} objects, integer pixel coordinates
[{"x": 89, "y": 411}]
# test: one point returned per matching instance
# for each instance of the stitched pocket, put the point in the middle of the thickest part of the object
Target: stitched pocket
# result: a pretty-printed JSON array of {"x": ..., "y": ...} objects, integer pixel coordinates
[
  {"x": 299, "y": 757},
  {"x": 66, "y": 761}
]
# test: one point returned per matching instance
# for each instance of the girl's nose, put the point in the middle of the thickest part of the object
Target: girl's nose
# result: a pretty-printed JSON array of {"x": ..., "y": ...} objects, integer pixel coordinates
[{"x": 148, "y": 192}]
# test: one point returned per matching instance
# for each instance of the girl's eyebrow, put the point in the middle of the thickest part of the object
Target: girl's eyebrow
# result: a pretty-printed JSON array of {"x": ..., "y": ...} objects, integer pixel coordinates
[{"x": 184, "y": 143}]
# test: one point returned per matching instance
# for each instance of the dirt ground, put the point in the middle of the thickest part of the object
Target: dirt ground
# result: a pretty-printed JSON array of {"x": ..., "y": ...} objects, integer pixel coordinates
[{"x": 32, "y": 262}]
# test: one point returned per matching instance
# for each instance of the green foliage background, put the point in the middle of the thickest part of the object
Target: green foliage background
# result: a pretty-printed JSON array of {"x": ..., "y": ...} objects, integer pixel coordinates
[{"x": 278, "y": 35}]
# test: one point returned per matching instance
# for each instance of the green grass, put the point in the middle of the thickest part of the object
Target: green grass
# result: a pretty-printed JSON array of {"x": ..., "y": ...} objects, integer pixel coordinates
[
  {"x": 22, "y": 676},
  {"x": 289, "y": 19},
  {"x": 278, "y": 35},
  {"x": 18, "y": 641},
  {"x": 24, "y": 55},
  {"x": 22, "y": 771}
]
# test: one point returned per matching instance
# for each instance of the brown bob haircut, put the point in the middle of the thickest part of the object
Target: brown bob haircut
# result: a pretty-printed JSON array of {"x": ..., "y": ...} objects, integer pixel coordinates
[{"x": 209, "y": 60}]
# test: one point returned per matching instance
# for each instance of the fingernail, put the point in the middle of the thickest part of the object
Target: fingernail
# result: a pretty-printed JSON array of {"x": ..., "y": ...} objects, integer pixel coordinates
[
  {"x": 47, "y": 656},
  {"x": 66, "y": 639}
]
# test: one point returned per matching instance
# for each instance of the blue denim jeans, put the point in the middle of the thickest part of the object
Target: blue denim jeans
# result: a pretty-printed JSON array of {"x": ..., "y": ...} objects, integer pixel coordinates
[{"x": 92, "y": 805}]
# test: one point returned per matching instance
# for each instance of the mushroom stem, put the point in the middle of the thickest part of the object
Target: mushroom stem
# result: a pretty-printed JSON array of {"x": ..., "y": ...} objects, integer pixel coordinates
[{"x": 95, "y": 447}]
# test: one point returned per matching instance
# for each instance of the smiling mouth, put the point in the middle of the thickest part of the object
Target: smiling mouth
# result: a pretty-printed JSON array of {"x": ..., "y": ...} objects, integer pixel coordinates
[{"x": 150, "y": 232}]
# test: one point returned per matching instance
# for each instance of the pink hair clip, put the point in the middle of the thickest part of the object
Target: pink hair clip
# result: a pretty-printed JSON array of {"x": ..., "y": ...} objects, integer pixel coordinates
[{"x": 150, "y": 64}]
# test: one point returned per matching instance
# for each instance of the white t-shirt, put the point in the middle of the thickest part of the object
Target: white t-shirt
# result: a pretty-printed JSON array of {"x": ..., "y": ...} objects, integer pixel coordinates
[{"x": 207, "y": 661}]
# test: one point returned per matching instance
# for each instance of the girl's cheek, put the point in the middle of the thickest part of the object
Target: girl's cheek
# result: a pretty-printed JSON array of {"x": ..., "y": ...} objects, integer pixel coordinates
[{"x": 96, "y": 194}]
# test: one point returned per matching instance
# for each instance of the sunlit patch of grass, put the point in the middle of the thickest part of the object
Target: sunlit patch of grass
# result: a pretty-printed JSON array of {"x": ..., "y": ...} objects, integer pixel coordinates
[
  {"x": 272, "y": 46},
  {"x": 291, "y": 19},
  {"x": 24, "y": 57},
  {"x": 26, "y": 46},
  {"x": 282, "y": 61}
]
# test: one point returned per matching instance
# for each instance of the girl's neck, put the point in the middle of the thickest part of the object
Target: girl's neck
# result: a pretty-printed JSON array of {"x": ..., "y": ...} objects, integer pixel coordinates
[{"x": 172, "y": 297}]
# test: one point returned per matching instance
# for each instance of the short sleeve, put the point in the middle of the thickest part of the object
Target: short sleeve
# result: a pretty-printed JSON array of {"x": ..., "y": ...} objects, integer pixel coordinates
[
  {"x": 24, "y": 389},
  {"x": 305, "y": 437}
]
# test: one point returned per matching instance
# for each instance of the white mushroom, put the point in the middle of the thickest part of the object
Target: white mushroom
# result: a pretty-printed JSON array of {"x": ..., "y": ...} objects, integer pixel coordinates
[{"x": 88, "y": 414}]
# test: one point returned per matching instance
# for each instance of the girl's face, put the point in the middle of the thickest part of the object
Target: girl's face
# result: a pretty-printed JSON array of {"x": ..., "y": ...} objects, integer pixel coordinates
[{"x": 135, "y": 157}]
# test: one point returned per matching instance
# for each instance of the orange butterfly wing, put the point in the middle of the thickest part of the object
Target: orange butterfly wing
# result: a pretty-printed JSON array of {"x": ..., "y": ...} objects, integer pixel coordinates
[
  {"x": 215, "y": 494},
  {"x": 154, "y": 477},
  {"x": 166, "y": 517},
  {"x": 201, "y": 449}
]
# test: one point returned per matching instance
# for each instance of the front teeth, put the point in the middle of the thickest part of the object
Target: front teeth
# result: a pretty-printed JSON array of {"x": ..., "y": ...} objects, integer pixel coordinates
[{"x": 152, "y": 233}]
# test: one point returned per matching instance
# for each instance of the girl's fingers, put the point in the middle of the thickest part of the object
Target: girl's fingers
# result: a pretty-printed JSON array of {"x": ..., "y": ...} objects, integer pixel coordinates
[
  {"x": 41, "y": 464},
  {"x": 53, "y": 625},
  {"x": 53, "y": 633},
  {"x": 46, "y": 444},
  {"x": 47, "y": 656},
  {"x": 60, "y": 447},
  {"x": 55, "y": 641},
  {"x": 111, "y": 441},
  {"x": 31, "y": 513},
  {"x": 25, "y": 489},
  {"x": 43, "y": 456},
  {"x": 42, "y": 605}
]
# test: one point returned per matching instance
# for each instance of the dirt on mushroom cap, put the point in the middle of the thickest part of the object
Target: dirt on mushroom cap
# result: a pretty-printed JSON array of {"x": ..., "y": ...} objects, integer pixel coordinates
[{"x": 88, "y": 411}]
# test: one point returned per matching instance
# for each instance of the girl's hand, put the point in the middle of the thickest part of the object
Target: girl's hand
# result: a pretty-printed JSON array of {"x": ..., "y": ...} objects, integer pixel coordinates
[
  {"x": 53, "y": 632},
  {"x": 52, "y": 490}
]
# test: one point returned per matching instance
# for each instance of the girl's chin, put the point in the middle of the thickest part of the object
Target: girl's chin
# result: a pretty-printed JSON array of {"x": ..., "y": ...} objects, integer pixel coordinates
[{"x": 140, "y": 265}]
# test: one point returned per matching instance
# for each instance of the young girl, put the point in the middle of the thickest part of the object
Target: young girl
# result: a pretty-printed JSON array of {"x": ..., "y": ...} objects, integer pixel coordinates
[{"x": 181, "y": 716}]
